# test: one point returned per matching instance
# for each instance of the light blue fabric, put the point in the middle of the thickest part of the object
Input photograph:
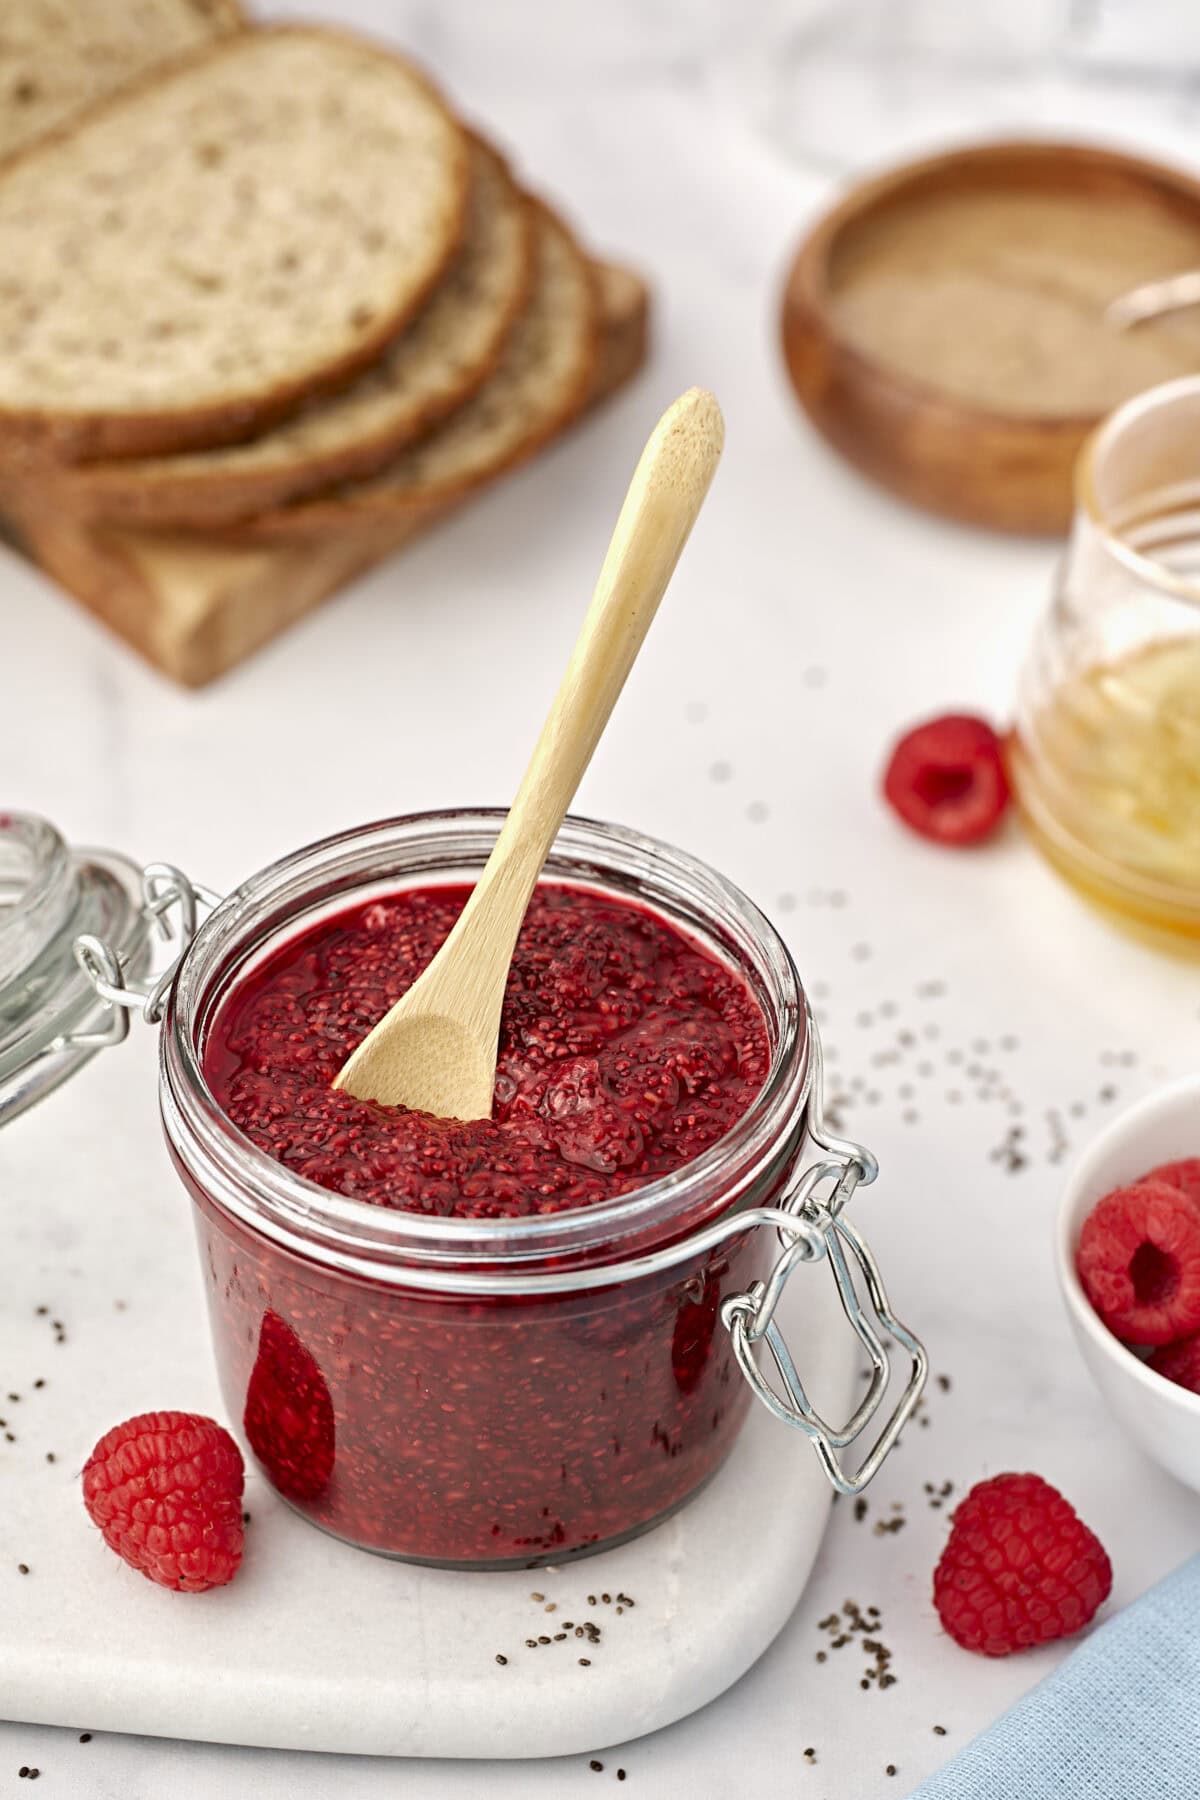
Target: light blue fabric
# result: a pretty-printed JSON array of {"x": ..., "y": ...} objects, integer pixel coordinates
[{"x": 1118, "y": 1720}]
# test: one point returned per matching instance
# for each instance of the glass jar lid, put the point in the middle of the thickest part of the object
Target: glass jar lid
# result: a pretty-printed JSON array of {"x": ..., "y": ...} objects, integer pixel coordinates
[{"x": 51, "y": 1018}]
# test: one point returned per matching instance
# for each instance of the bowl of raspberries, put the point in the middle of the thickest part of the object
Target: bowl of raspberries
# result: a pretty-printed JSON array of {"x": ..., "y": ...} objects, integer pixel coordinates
[{"x": 1129, "y": 1265}]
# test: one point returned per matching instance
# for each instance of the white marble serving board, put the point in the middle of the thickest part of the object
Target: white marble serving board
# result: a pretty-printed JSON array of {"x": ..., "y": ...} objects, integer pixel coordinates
[{"x": 315, "y": 1645}]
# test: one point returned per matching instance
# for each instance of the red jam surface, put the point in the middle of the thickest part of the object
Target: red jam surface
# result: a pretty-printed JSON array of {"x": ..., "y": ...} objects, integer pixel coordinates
[
  {"x": 504, "y": 1430},
  {"x": 625, "y": 1050}
]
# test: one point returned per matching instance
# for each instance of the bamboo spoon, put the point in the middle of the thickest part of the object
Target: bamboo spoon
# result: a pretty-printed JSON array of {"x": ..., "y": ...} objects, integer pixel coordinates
[{"x": 435, "y": 1051}]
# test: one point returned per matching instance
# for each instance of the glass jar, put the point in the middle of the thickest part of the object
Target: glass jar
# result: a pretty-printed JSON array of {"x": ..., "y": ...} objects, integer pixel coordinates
[
  {"x": 498, "y": 1393},
  {"x": 1105, "y": 756}
]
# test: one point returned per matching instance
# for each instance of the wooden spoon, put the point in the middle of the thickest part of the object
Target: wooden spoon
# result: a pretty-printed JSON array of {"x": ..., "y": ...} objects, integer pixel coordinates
[{"x": 435, "y": 1051}]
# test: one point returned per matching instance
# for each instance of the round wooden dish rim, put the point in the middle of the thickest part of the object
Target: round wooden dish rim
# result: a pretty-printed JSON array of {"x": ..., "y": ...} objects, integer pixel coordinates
[{"x": 807, "y": 279}]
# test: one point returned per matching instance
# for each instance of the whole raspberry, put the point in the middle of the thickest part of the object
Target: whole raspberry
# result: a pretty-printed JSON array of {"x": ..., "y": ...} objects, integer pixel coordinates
[
  {"x": 1180, "y": 1362},
  {"x": 946, "y": 779},
  {"x": 1139, "y": 1262},
  {"x": 289, "y": 1421},
  {"x": 166, "y": 1491},
  {"x": 1019, "y": 1568}
]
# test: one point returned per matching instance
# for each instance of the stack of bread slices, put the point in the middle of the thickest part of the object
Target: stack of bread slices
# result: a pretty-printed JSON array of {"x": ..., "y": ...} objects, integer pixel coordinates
[{"x": 267, "y": 308}]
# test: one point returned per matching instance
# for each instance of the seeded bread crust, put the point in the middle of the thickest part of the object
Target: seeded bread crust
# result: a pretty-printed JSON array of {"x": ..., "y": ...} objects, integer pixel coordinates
[
  {"x": 58, "y": 57},
  {"x": 148, "y": 199},
  {"x": 541, "y": 382},
  {"x": 442, "y": 357}
]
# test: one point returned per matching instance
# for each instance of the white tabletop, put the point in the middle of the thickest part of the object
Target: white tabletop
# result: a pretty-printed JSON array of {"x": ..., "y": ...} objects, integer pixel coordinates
[{"x": 810, "y": 620}]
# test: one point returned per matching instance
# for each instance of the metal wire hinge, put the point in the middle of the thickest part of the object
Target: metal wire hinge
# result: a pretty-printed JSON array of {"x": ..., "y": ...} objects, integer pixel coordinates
[
  {"x": 822, "y": 1232},
  {"x": 172, "y": 903}
]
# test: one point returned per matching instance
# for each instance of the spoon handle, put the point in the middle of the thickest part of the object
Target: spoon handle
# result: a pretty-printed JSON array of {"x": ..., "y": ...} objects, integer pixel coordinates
[{"x": 665, "y": 495}]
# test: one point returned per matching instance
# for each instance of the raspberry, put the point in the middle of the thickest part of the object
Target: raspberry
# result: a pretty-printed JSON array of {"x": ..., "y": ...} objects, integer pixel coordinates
[
  {"x": 289, "y": 1421},
  {"x": 1180, "y": 1362},
  {"x": 1184, "y": 1175},
  {"x": 946, "y": 779},
  {"x": 166, "y": 1491},
  {"x": 1020, "y": 1568},
  {"x": 1139, "y": 1262}
]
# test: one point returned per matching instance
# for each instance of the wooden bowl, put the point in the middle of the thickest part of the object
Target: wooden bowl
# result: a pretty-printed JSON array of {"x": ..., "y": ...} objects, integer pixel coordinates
[{"x": 940, "y": 449}]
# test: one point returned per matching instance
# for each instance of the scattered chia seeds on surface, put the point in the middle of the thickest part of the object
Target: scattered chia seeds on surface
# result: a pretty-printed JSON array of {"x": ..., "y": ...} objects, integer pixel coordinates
[
  {"x": 891, "y": 1769},
  {"x": 851, "y": 1623},
  {"x": 596, "y": 1766},
  {"x": 620, "y": 1774},
  {"x": 502, "y": 1660},
  {"x": 810, "y": 1755},
  {"x": 22, "y": 1568},
  {"x": 536, "y": 1596},
  {"x": 585, "y": 1662},
  {"x": 85, "y": 1737},
  {"x": 939, "y": 1731},
  {"x": 860, "y": 1508}
]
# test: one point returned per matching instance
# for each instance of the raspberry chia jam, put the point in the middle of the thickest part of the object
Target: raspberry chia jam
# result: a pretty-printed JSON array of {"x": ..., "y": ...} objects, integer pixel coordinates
[
  {"x": 486, "y": 1430},
  {"x": 508, "y": 1341}
]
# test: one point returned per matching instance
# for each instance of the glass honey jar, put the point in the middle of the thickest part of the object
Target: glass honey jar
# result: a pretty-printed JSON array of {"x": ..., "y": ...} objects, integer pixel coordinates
[{"x": 1105, "y": 754}]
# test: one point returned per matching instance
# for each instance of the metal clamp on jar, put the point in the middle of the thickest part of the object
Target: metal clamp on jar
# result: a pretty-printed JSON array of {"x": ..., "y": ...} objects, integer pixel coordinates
[{"x": 465, "y": 1392}]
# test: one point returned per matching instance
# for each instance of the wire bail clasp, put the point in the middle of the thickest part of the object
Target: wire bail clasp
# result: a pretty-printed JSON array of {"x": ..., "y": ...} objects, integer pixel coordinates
[
  {"x": 172, "y": 903},
  {"x": 822, "y": 1232}
]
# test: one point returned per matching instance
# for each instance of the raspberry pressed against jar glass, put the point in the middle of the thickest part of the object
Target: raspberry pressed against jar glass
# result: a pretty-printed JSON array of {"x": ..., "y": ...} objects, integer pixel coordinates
[{"x": 398, "y": 1374}]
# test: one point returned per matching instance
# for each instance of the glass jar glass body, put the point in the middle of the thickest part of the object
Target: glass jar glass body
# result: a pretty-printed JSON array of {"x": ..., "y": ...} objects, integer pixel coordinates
[
  {"x": 1106, "y": 752},
  {"x": 480, "y": 1394}
]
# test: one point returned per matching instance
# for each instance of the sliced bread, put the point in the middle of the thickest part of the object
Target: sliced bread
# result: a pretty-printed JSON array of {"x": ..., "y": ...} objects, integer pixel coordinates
[
  {"x": 435, "y": 363},
  {"x": 59, "y": 56},
  {"x": 542, "y": 379},
  {"x": 202, "y": 252},
  {"x": 196, "y": 606}
]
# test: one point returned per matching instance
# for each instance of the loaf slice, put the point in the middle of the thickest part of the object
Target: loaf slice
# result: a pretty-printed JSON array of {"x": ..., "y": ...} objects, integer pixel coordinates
[
  {"x": 59, "y": 56},
  {"x": 202, "y": 252},
  {"x": 543, "y": 377},
  {"x": 196, "y": 606},
  {"x": 441, "y": 358}
]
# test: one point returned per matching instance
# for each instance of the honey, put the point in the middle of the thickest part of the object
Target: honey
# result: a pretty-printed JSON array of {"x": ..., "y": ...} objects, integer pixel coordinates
[{"x": 1107, "y": 771}]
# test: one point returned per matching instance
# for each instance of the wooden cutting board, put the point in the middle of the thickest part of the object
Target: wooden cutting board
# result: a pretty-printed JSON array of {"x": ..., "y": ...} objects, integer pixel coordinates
[{"x": 195, "y": 606}]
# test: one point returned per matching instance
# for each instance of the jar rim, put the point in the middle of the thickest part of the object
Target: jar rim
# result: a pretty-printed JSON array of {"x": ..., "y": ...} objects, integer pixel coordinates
[
  {"x": 311, "y": 1219},
  {"x": 1112, "y": 527}
]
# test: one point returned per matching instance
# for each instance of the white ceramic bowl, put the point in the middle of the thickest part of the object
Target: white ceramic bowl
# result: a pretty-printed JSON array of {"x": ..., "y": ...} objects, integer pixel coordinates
[{"x": 1160, "y": 1416}]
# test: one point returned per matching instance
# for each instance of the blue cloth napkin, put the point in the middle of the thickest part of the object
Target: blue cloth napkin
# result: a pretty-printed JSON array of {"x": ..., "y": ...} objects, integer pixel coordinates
[{"x": 1118, "y": 1720}]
